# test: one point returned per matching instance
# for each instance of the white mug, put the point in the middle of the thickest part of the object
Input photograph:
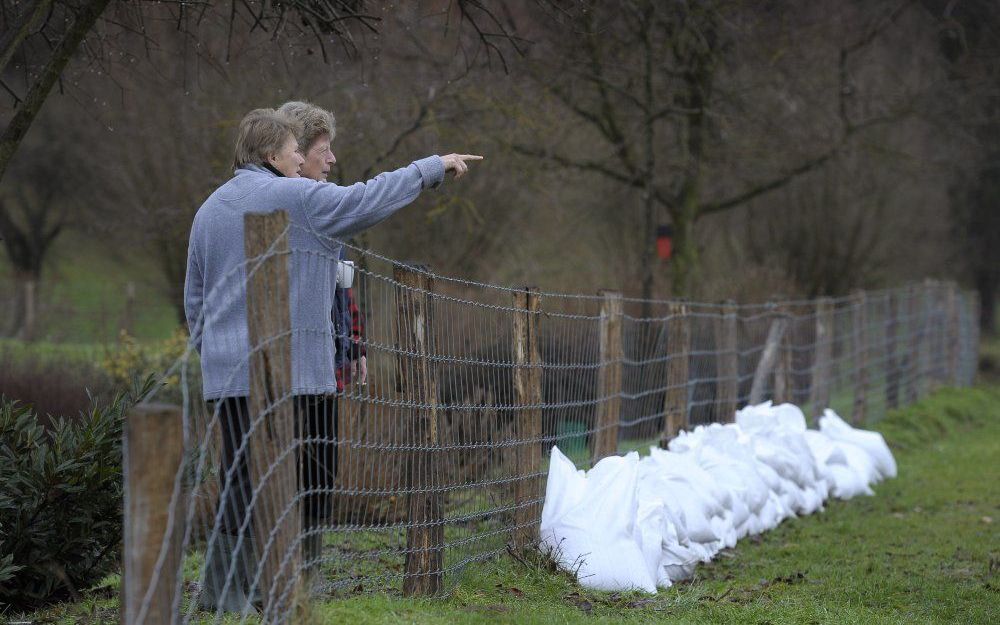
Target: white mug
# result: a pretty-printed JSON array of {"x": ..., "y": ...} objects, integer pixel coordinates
[{"x": 345, "y": 274}]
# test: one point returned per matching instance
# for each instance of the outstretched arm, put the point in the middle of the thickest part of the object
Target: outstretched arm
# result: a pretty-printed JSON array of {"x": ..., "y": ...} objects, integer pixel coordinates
[{"x": 336, "y": 211}]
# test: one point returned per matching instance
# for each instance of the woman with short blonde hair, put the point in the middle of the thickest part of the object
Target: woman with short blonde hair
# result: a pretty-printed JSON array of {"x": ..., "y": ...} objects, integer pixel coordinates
[{"x": 268, "y": 162}]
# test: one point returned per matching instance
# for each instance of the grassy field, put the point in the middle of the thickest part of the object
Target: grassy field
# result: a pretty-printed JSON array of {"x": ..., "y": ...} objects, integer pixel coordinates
[
  {"x": 82, "y": 296},
  {"x": 925, "y": 549}
]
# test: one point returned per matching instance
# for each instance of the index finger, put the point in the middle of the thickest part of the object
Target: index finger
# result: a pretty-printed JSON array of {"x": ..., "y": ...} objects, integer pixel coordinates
[{"x": 470, "y": 157}]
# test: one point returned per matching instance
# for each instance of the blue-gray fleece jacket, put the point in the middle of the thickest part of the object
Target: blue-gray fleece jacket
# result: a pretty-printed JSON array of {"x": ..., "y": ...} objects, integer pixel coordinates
[{"x": 215, "y": 285}]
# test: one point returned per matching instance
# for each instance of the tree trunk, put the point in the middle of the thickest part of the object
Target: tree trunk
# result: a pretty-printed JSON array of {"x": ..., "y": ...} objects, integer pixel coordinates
[
  {"x": 697, "y": 91},
  {"x": 685, "y": 253},
  {"x": 25, "y": 114},
  {"x": 26, "y": 302}
]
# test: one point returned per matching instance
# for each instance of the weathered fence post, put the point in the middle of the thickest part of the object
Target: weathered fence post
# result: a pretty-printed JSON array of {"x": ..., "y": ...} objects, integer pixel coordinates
[
  {"x": 727, "y": 363},
  {"x": 604, "y": 442},
  {"x": 892, "y": 368},
  {"x": 272, "y": 460},
  {"x": 914, "y": 333},
  {"x": 952, "y": 337},
  {"x": 783, "y": 367},
  {"x": 679, "y": 346},
  {"x": 859, "y": 301},
  {"x": 528, "y": 426},
  {"x": 769, "y": 357},
  {"x": 128, "y": 316},
  {"x": 932, "y": 344},
  {"x": 418, "y": 386},
  {"x": 819, "y": 395},
  {"x": 152, "y": 454}
]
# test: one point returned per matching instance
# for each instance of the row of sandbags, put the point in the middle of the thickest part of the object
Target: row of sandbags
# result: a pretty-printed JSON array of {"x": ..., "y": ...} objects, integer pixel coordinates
[{"x": 632, "y": 523}]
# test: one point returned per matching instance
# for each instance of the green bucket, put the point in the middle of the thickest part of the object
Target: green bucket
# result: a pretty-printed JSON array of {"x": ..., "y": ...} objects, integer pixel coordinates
[{"x": 571, "y": 438}]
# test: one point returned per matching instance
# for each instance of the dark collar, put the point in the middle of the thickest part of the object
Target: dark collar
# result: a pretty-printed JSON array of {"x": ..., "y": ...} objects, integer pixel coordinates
[{"x": 271, "y": 168}]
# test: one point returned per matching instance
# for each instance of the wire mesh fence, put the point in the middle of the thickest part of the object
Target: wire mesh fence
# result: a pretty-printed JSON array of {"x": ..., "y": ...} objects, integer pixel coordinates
[{"x": 382, "y": 438}]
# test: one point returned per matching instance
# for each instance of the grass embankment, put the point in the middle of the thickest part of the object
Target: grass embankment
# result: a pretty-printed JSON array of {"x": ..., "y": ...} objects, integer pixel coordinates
[{"x": 925, "y": 549}]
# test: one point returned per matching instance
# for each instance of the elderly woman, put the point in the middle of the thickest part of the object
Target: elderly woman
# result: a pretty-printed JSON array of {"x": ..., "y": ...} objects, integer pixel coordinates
[
  {"x": 267, "y": 178},
  {"x": 317, "y": 128}
]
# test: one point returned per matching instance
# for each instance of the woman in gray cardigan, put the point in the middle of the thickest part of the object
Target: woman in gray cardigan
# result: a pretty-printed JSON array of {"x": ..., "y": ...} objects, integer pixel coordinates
[{"x": 267, "y": 164}]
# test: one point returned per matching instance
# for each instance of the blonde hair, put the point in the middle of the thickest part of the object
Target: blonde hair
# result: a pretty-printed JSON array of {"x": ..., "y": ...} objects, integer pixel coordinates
[
  {"x": 261, "y": 134},
  {"x": 315, "y": 122}
]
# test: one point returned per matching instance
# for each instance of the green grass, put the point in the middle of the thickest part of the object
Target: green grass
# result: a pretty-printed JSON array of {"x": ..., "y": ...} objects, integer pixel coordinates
[
  {"x": 925, "y": 549},
  {"x": 82, "y": 293},
  {"x": 82, "y": 353}
]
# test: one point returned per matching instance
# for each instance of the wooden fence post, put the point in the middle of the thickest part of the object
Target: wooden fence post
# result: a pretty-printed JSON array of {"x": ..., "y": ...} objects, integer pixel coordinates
[
  {"x": 823, "y": 360},
  {"x": 931, "y": 352},
  {"x": 914, "y": 332},
  {"x": 604, "y": 442},
  {"x": 953, "y": 329},
  {"x": 273, "y": 468},
  {"x": 128, "y": 316},
  {"x": 860, "y": 323},
  {"x": 152, "y": 455},
  {"x": 679, "y": 346},
  {"x": 727, "y": 362},
  {"x": 768, "y": 358},
  {"x": 418, "y": 384},
  {"x": 892, "y": 367},
  {"x": 528, "y": 493},
  {"x": 783, "y": 367}
]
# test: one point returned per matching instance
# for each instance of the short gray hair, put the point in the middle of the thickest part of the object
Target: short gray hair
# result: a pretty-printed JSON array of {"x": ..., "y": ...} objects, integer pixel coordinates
[
  {"x": 315, "y": 122},
  {"x": 261, "y": 134}
]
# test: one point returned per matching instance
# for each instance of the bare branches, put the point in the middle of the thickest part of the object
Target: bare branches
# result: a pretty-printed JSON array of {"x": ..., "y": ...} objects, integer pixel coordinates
[
  {"x": 490, "y": 29},
  {"x": 770, "y": 185},
  {"x": 32, "y": 103},
  {"x": 579, "y": 164},
  {"x": 846, "y": 90},
  {"x": 25, "y": 23}
]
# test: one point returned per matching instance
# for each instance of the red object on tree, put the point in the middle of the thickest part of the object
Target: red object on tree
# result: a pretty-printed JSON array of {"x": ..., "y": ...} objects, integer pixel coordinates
[{"x": 664, "y": 242}]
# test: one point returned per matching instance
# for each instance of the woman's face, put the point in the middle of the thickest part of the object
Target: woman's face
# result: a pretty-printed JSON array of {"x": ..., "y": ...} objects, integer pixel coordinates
[
  {"x": 288, "y": 160},
  {"x": 319, "y": 158}
]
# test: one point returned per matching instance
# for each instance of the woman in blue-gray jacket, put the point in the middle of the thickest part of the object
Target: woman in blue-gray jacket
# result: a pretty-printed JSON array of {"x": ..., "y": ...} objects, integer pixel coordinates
[{"x": 267, "y": 163}]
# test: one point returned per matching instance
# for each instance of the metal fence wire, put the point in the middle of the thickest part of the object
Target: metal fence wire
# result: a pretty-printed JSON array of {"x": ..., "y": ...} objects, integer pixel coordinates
[{"x": 291, "y": 489}]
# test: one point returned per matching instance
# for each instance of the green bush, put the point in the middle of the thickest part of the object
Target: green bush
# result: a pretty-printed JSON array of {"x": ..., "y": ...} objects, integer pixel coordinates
[{"x": 60, "y": 500}]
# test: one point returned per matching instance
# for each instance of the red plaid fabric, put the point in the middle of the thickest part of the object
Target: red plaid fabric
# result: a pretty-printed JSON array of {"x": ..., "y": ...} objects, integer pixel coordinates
[{"x": 357, "y": 341}]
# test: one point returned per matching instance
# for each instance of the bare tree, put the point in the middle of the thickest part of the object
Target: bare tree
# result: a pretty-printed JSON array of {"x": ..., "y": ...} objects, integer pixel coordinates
[
  {"x": 969, "y": 106},
  {"x": 40, "y": 38},
  {"x": 34, "y": 213},
  {"x": 658, "y": 86}
]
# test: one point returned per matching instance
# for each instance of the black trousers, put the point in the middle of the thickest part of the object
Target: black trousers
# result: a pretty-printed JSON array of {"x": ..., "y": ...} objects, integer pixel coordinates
[{"x": 315, "y": 426}]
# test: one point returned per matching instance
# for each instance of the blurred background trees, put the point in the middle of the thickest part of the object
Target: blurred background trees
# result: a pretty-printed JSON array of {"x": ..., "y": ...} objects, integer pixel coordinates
[{"x": 794, "y": 148}]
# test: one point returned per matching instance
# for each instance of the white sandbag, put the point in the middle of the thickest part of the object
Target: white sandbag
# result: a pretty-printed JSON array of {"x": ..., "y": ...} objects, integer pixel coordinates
[
  {"x": 597, "y": 538},
  {"x": 734, "y": 467},
  {"x": 773, "y": 513},
  {"x": 683, "y": 467},
  {"x": 824, "y": 450},
  {"x": 767, "y": 416},
  {"x": 565, "y": 488},
  {"x": 651, "y": 526},
  {"x": 872, "y": 442},
  {"x": 847, "y": 483},
  {"x": 693, "y": 506},
  {"x": 641, "y": 524}
]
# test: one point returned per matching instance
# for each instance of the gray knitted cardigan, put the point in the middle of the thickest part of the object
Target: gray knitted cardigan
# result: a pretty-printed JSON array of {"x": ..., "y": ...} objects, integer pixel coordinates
[{"x": 215, "y": 285}]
